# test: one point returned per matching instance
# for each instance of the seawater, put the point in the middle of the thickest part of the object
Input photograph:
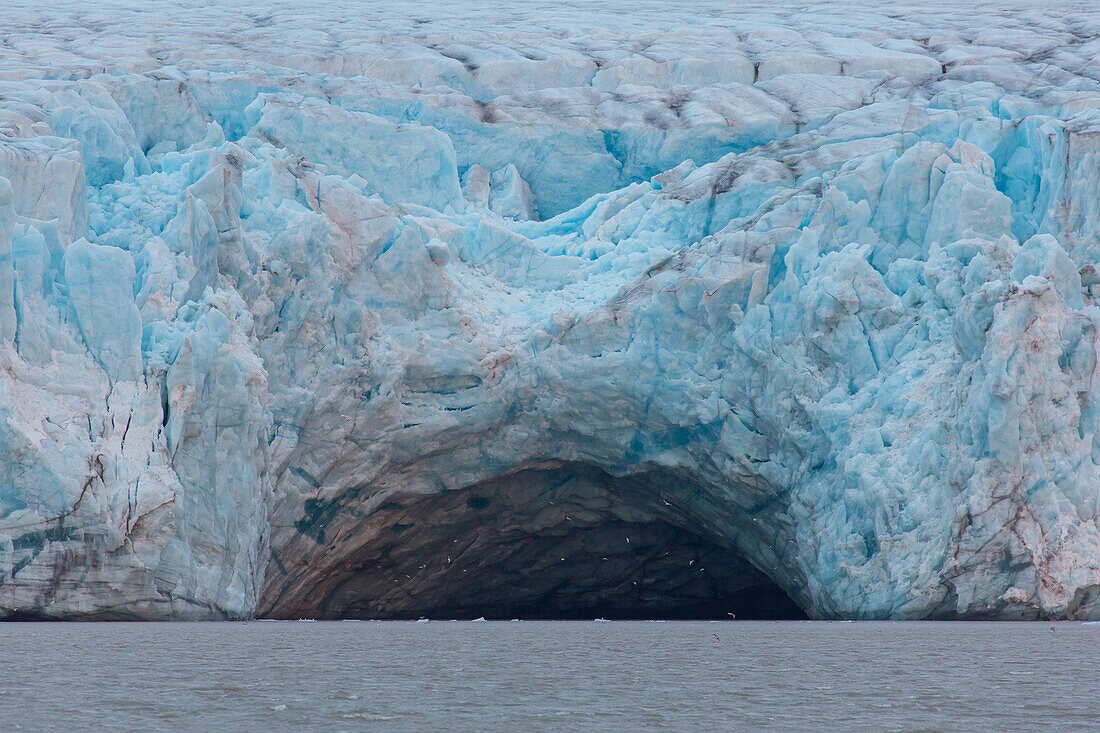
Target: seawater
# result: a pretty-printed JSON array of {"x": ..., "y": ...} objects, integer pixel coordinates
[{"x": 538, "y": 675}]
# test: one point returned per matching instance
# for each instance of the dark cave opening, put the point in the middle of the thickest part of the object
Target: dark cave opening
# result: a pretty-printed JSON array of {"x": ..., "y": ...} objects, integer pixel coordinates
[{"x": 564, "y": 543}]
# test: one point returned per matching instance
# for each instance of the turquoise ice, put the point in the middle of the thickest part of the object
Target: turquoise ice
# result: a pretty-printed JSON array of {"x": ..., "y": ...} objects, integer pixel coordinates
[{"x": 826, "y": 286}]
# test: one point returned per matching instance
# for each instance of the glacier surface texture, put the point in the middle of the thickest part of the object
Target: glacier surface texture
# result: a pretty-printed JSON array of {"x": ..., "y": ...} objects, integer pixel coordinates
[{"x": 599, "y": 309}]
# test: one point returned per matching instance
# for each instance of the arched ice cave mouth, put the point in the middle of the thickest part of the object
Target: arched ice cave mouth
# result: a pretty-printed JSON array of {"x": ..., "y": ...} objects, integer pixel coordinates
[{"x": 570, "y": 542}]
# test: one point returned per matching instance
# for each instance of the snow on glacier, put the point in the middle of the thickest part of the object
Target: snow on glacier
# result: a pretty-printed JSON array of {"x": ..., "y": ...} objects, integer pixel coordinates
[{"x": 829, "y": 271}]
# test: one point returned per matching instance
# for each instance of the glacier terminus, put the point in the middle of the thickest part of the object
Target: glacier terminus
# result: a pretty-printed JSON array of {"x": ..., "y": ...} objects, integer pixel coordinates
[{"x": 583, "y": 310}]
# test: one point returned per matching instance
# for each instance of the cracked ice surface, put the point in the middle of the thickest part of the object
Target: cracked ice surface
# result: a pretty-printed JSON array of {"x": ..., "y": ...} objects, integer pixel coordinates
[{"x": 829, "y": 271}]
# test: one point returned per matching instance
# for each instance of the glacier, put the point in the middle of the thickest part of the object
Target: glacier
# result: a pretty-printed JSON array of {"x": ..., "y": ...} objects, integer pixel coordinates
[{"x": 600, "y": 309}]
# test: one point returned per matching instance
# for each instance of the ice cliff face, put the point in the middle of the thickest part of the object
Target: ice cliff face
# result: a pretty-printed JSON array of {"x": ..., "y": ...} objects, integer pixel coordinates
[{"x": 376, "y": 313}]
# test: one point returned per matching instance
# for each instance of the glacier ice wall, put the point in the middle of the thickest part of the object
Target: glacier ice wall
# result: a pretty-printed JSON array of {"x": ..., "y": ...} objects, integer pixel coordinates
[{"x": 291, "y": 302}]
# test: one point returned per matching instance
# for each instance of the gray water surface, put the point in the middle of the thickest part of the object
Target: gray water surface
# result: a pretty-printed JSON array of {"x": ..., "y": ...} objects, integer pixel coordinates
[{"x": 532, "y": 675}]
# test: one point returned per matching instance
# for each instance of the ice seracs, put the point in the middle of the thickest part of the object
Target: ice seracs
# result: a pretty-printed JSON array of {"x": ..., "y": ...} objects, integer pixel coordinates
[{"x": 301, "y": 316}]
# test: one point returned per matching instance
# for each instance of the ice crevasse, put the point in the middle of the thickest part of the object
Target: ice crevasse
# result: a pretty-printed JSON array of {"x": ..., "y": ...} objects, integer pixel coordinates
[{"x": 370, "y": 313}]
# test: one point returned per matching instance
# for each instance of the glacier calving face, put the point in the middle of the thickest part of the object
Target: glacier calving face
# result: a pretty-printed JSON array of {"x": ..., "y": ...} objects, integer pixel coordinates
[{"x": 368, "y": 313}]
